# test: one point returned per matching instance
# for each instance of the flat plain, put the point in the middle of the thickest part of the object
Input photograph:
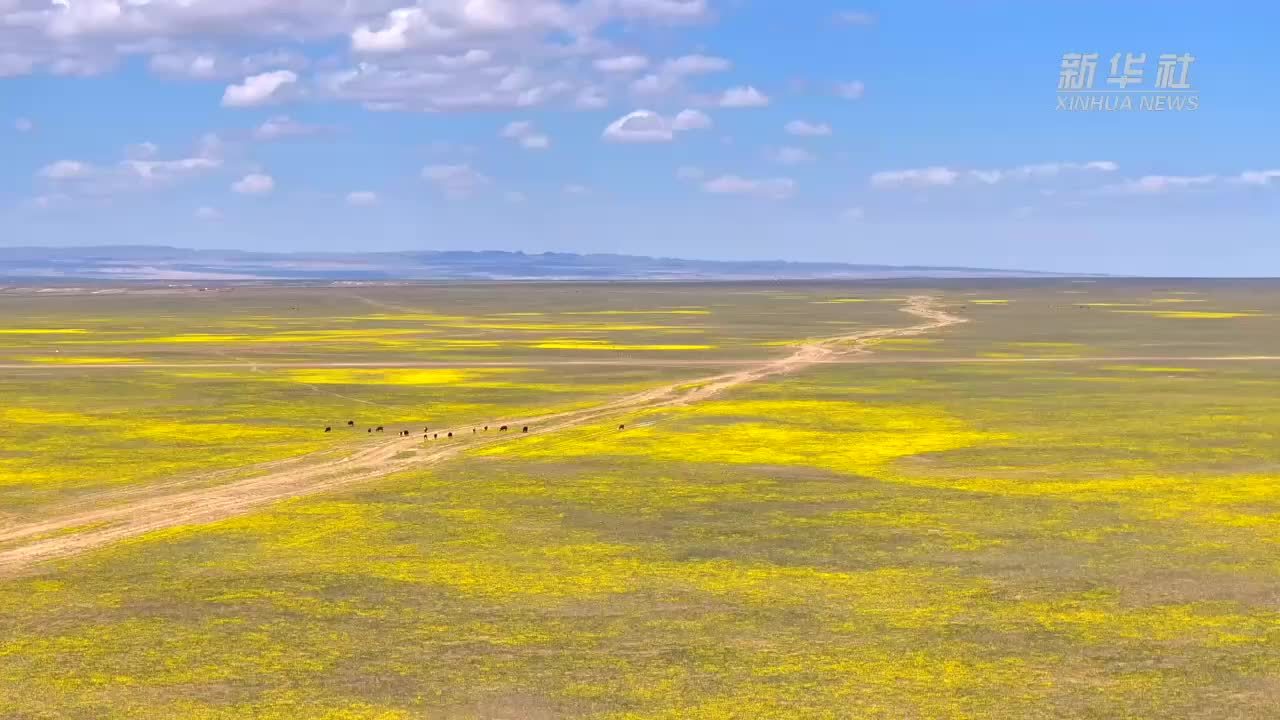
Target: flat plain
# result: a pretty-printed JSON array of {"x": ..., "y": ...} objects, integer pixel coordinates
[{"x": 944, "y": 499}]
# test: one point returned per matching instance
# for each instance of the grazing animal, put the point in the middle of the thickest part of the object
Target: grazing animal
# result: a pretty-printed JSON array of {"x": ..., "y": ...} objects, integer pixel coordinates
[
  {"x": 370, "y": 429},
  {"x": 328, "y": 429},
  {"x": 526, "y": 428},
  {"x": 351, "y": 423},
  {"x": 622, "y": 427},
  {"x": 503, "y": 428},
  {"x": 437, "y": 437},
  {"x": 450, "y": 434},
  {"x": 380, "y": 429}
]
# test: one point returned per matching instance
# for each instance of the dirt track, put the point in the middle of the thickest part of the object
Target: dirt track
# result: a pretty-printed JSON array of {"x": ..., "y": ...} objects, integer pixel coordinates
[
  {"x": 635, "y": 362},
  {"x": 131, "y": 513}
]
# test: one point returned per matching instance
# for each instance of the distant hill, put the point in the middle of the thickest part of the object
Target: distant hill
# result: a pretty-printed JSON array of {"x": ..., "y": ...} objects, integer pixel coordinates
[{"x": 177, "y": 264}]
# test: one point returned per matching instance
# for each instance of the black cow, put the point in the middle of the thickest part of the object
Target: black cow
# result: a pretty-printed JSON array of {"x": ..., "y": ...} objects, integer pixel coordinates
[
  {"x": 526, "y": 428},
  {"x": 486, "y": 428},
  {"x": 437, "y": 437},
  {"x": 622, "y": 427},
  {"x": 328, "y": 429},
  {"x": 503, "y": 428},
  {"x": 450, "y": 434},
  {"x": 380, "y": 429},
  {"x": 351, "y": 423}
]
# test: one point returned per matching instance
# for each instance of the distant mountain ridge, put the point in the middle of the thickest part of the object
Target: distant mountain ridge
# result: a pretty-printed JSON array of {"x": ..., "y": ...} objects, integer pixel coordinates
[{"x": 156, "y": 263}]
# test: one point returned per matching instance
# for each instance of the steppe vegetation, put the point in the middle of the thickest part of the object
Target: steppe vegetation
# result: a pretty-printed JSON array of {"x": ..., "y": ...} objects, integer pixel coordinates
[{"x": 1065, "y": 507}]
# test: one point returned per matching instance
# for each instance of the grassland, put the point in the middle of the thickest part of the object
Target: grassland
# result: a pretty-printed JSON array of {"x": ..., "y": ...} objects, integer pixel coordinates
[{"x": 1055, "y": 510}]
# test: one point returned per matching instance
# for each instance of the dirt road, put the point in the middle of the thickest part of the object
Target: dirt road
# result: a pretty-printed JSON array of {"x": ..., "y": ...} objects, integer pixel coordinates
[{"x": 117, "y": 517}]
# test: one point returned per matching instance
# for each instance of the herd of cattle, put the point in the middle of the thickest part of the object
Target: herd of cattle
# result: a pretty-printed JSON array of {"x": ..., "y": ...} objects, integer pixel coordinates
[{"x": 428, "y": 435}]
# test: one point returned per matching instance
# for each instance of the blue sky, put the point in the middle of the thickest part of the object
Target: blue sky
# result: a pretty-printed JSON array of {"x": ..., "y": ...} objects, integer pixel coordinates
[{"x": 910, "y": 132}]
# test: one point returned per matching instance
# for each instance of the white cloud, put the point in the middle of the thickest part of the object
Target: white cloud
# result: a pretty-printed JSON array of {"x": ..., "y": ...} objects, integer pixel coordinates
[
  {"x": 254, "y": 184},
  {"x": 525, "y": 134},
  {"x": 770, "y": 188},
  {"x": 944, "y": 176},
  {"x": 208, "y": 214},
  {"x": 81, "y": 66},
  {"x": 426, "y": 88},
  {"x": 622, "y": 64},
  {"x": 743, "y": 97},
  {"x": 1041, "y": 170},
  {"x": 204, "y": 39},
  {"x": 517, "y": 129},
  {"x": 515, "y": 197},
  {"x": 401, "y": 29},
  {"x": 67, "y": 170},
  {"x": 646, "y": 126},
  {"x": 855, "y": 17},
  {"x": 362, "y": 198},
  {"x": 664, "y": 10},
  {"x": 576, "y": 189},
  {"x": 258, "y": 89},
  {"x": 23, "y": 125},
  {"x": 640, "y": 126},
  {"x": 161, "y": 171},
  {"x": 434, "y": 24},
  {"x": 474, "y": 57},
  {"x": 921, "y": 177},
  {"x": 854, "y": 214},
  {"x": 216, "y": 65},
  {"x": 1258, "y": 177},
  {"x": 654, "y": 84},
  {"x": 194, "y": 66},
  {"x": 141, "y": 169},
  {"x": 591, "y": 98},
  {"x": 673, "y": 73},
  {"x": 690, "y": 120},
  {"x": 695, "y": 65},
  {"x": 14, "y": 64},
  {"x": 792, "y": 156},
  {"x": 142, "y": 151},
  {"x": 455, "y": 180},
  {"x": 1158, "y": 184},
  {"x": 283, "y": 126},
  {"x": 851, "y": 90},
  {"x": 800, "y": 128},
  {"x": 424, "y": 55}
]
